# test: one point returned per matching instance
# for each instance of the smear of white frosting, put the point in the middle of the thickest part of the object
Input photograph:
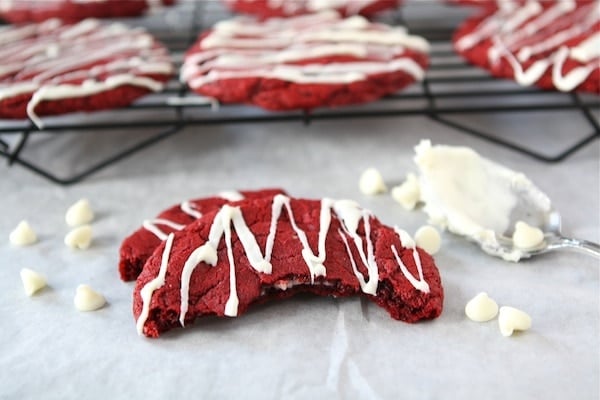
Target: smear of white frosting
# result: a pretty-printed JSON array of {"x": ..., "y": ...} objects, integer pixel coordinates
[{"x": 473, "y": 196}]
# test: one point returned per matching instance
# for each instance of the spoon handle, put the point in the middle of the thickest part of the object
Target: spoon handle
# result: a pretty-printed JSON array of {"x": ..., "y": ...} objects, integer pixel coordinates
[{"x": 584, "y": 246}]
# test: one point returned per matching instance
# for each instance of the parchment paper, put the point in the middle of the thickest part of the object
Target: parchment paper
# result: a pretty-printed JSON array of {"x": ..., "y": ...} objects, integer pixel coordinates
[{"x": 306, "y": 347}]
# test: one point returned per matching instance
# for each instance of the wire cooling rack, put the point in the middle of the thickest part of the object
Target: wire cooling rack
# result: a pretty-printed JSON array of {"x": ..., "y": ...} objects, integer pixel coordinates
[{"x": 451, "y": 88}]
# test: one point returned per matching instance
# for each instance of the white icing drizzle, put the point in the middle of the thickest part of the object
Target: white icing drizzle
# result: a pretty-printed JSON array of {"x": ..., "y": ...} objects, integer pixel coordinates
[
  {"x": 231, "y": 195},
  {"x": 537, "y": 32},
  {"x": 347, "y": 212},
  {"x": 244, "y": 47},
  {"x": 587, "y": 50},
  {"x": 52, "y": 61},
  {"x": 156, "y": 283},
  {"x": 188, "y": 208},
  {"x": 207, "y": 253},
  {"x": 408, "y": 242},
  {"x": 314, "y": 262},
  {"x": 350, "y": 214},
  {"x": 150, "y": 225}
]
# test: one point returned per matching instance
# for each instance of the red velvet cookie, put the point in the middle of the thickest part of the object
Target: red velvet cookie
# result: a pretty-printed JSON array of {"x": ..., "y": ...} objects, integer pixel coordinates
[
  {"x": 51, "y": 68},
  {"x": 140, "y": 245},
  {"x": 506, "y": 4},
  {"x": 278, "y": 8},
  {"x": 20, "y": 11},
  {"x": 479, "y": 3},
  {"x": 256, "y": 250},
  {"x": 550, "y": 44},
  {"x": 304, "y": 62}
]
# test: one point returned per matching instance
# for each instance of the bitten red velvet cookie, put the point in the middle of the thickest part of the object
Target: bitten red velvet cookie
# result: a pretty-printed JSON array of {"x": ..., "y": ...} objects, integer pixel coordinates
[
  {"x": 54, "y": 68},
  {"x": 550, "y": 44},
  {"x": 261, "y": 249},
  {"x": 140, "y": 245},
  {"x": 278, "y": 8},
  {"x": 304, "y": 62},
  {"x": 20, "y": 11}
]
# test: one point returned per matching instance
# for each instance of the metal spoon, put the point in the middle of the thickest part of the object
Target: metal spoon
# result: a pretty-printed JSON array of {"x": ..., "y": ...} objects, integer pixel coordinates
[{"x": 550, "y": 224}]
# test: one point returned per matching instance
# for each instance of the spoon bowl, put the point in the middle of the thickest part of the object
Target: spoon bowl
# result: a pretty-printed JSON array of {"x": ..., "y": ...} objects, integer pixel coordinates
[{"x": 551, "y": 225}]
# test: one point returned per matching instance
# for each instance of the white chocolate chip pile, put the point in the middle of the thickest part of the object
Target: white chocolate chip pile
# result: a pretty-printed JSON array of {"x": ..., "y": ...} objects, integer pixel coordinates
[
  {"x": 32, "y": 281},
  {"x": 79, "y": 238},
  {"x": 428, "y": 238},
  {"x": 87, "y": 299},
  {"x": 23, "y": 235},
  {"x": 526, "y": 236},
  {"x": 371, "y": 182},
  {"x": 481, "y": 308},
  {"x": 79, "y": 213},
  {"x": 408, "y": 193},
  {"x": 511, "y": 319}
]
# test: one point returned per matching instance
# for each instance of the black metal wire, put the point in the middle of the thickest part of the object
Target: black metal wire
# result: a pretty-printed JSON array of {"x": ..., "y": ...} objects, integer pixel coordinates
[{"x": 448, "y": 79}]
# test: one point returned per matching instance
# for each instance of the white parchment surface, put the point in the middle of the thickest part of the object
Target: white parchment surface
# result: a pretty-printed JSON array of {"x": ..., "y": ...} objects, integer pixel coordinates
[{"x": 306, "y": 347}]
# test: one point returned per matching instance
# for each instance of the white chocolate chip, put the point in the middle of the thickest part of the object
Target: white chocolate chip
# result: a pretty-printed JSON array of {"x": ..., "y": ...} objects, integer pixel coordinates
[
  {"x": 32, "y": 281},
  {"x": 79, "y": 213},
  {"x": 408, "y": 193},
  {"x": 79, "y": 238},
  {"x": 481, "y": 308},
  {"x": 371, "y": 182},
  {"x": 526, "y": 236},
  {"x": 87, "y": 299},
  {"x": 428, "y": 238},
  {"x": 23, "y": 235},
  {"x": 511, "y": 319}
]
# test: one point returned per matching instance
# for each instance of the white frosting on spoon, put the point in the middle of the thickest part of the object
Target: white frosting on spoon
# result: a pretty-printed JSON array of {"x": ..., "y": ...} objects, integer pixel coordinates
[{"x": 472, "y": 196}]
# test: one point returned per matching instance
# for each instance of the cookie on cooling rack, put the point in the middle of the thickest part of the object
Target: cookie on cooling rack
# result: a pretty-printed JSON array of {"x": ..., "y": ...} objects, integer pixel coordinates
[
  {"x": 21, "y": 11},
  {"x": 278, "y": 8},
  {"x": 274, "y": 247},
  {"x": 303, "y": 62},
  {"x": 506, "y": 4},
  {"x": 54, "y": 68},
  {"x": 140, "y": 245},
  {"x": 481, "y": 3},
  {"x": 550, "y": 44}
]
